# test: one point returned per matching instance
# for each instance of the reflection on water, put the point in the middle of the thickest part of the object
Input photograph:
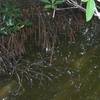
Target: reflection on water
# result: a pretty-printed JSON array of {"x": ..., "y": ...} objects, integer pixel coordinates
[
  {"x": 74, "y": 74},
  {"x": 78, "y": 78}
]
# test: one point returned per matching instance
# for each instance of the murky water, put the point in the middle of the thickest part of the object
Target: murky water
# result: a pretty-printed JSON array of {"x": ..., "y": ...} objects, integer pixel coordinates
[{"x": 73, "y": 75}]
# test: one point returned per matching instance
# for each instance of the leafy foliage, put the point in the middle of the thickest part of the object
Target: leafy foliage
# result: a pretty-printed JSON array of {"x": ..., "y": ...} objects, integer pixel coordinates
[
  {"x": 11, "y": 20},
  {"x": 90, "y": 9},
  {"x": 52, "y": 4}
]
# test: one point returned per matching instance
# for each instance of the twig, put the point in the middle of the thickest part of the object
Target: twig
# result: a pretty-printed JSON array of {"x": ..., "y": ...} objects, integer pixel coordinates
[{"x": 57, "y": 9}]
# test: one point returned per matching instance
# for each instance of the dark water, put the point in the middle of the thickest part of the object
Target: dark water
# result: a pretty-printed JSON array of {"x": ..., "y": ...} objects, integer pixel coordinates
[{"x": 73, "y": 75}]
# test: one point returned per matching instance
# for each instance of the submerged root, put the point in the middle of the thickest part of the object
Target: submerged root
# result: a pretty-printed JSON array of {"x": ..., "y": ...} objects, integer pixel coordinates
[{"x": 40, "y": 71}]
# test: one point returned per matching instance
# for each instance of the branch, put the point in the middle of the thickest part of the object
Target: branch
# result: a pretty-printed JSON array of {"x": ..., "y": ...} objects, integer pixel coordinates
[{"x": 75, "y": 4}]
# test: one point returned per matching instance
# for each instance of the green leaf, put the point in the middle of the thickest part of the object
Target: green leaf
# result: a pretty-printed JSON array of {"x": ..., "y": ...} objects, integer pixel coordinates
[
  {"x": 46, "y": 1},
  {"x": 48, "y": 6},
  {"x": 54, "y": 6},
  {"x": 90, "y": 8},
  {"x": 53, "y": 1},
  {"x": 59, "y": 2}
]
